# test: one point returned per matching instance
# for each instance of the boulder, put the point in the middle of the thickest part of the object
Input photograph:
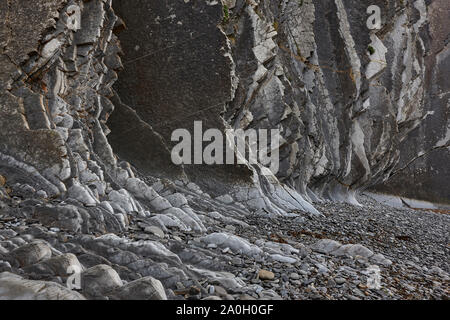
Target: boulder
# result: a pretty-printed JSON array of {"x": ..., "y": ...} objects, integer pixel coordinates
[
  {"x": 97, "y": 282},
  {"x": 32, "y": 253},
  {"x": 13, "y": 287},
  {"x": 147, "y": 288}
]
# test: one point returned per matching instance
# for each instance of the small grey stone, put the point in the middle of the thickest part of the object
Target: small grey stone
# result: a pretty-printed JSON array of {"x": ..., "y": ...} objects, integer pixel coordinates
[
  {"x": 220, "y": 291},
  {"x": 294, "y": 276}
]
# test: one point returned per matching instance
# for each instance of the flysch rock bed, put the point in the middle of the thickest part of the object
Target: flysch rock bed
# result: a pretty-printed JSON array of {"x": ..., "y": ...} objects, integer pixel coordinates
[
  {"x": 80, "y": 161},
  {"x": 254, "y": 257}
]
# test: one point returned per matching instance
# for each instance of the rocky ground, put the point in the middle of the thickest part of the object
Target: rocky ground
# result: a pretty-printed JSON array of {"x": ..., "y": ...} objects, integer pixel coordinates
[
  {"x": 253, "y": 257},
  {"x": 90, "y": 196}
]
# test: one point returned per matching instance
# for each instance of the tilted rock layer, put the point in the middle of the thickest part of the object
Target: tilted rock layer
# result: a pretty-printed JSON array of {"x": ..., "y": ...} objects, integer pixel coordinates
[
  {"x": 350, "y": 117},
  {"x": 90, "y": 92}
]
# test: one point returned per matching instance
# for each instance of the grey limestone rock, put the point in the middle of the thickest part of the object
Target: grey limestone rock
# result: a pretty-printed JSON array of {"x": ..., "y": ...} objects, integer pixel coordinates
[
  {"x": 99, "y": 281},
  {"x": 146, "y": 288},
  {"x": 91, "y": 92},
  {"x": 13, "y": 287}
]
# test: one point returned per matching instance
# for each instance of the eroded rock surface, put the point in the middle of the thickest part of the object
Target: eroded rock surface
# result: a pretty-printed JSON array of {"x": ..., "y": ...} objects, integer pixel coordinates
[{"x": 90, "y": 92}]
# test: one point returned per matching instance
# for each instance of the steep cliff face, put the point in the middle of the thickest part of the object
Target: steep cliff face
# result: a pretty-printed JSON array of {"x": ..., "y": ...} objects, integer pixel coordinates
[
  {"x": 349, "y": 101},
  {"x": 423, "y": 170},
  {"x": 58, "y": 63},
  {"x": 91, "y": 91},
  {"x": 58, "y": 168}
]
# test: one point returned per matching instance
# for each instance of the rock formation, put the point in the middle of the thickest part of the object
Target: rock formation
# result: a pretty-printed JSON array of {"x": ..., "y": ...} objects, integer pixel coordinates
[{"x": 91, "y": 91}]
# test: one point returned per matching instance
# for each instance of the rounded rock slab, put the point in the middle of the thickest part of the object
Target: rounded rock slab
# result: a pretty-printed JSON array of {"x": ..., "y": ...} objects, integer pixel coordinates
[
  {"x": 14, "y": 287},
  {"x": 99, "y": 281},
  {"x": 147, "y": 288},
  {"x": 32, "y": 253}
]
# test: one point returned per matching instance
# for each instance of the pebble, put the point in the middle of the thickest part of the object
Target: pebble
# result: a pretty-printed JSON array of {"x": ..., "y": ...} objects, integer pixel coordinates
[
  {"x": 266, "y": 275},
  {"x": 220, "y": 291},
  {"x": 303, "y": 272},
  {"x": 321, "y": 268},
  {"x": 237, "y": 261},
  {"x": 294, "y": 276}
]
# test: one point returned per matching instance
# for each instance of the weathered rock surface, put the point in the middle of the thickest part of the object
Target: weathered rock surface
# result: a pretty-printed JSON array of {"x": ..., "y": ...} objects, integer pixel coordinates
[
  {"x": 31, "y": 253},
  {"x": 100, "y": 280},
  {"x": 345, "y": 113},
  {"x": 146, "y": 288},
  {"x": 90, "y": 92},
  {"x": 13, "y": 287}
]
